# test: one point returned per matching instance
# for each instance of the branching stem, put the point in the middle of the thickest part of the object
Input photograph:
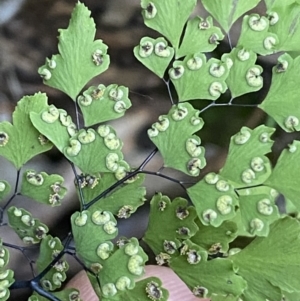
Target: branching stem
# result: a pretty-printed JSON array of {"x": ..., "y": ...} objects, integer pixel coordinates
[
  {"x": 120, "y": 182},
  {"x": 82, "y": 201},
  {"x": 158, "y": 174}
]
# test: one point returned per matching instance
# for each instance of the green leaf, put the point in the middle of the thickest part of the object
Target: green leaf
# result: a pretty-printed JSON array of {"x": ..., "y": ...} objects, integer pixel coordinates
[
  {"x": 286, "y": 21},
  {"x": 4, "y": 258},
  {"x": 206, "y": 277},
  {"x": 116, "y": 268},
  {"x": 214, "y": 199},
  {"x": 7, "y": 279},
  {"x": 91, "y": 228},
  {"x": 243, "y": 71},
  {"x": 122, "y": 201},
  {"x": 271, "y": 4},
  {"x": 80, "y": 59},
  {"x": 92, "y": 151},
  {"x": 255, "y": 35},
  {"x": 155, "y": 55},
  {"x": 226, "y": 12},
  {"x": 200, "y": 36},
  {"x": 291, "y": 296},
  {"x": 6, "y": 275},
  {"x": 173, "y": 136},
  {"x": 285, "y": 176},
  {"x": 168, "y": 17},
  {"x": 100, "y": 103},
  {"x": 224, "y": 298},
  {"x": 121, "y": 269},
  {"x": 21, "y": 141},
  {"x": 143, "y": 291},
  {"x": 258, "y": 210},
  {"x": 50, "y": 248},
  {"x": 66, "y": 294},
  {"x": 246, "y": 164},
  {"x": 272, "y": 263},
  {"x": 55, "y": 124},
  {"x": 176, "y": 219},
  {"x": 290, "y": 208},
  {"x": 4, "y": 189},
  {"x": 29, "y": 229},
  {"x": 215, "y": 240},
  {"x": 284, "y": 86},
  {"x": 187, "y": 74},
  {"x": 43, "y": 188},
  {"x": 96, "y": 151}
]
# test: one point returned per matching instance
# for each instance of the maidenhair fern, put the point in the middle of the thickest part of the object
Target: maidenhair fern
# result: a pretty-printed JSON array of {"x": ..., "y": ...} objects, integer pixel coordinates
[{"x": 226, "y": 237}]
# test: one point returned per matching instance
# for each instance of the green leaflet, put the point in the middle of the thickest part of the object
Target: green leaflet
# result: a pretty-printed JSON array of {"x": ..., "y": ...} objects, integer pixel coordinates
[
  {"x": 173, "y": 136},
  {"x": 224, "y": 298},
  {"x": 121, "y": 269},
  {"x": 215, "y": 239},
  {"x": 29, "y": 229},
  {"x": 176, "y": 219},
  {"x": 284, "y": 88},
  {"x": 4, "y": 189},
  {"x": 92, "y": 228},
  {"x": 285, "y": 176},
  {"x": 206, "y": 277},
  {"x": 290, "y": 208},
  {"x": 80, "y": 59},
  {"x": 43, "y": 188},
  {"x": 155, "y": 55},
  {"x": 123, "y": 201},
  {"x": 291, "y": 296},
  {"x": 194, "y": 69},
  {"x": 20, "y": 141},
  {"x": 243, "y": 70},
  {"x": 4, "y": 255},
  {"x": 168, "y": 17},
  {"x": 246, "y": 164},
  {"x": 255, "y": 35},
  {"x": 285, "y": 22},
  {"x": 143, "y": 291},
  {"x": 226, "y": 12},
  {"x": 66, "y": 294},
  {"x": 50, "y": 247},
  {"x": 214, "y": 199},
  {"x": 200, "y": 36},
  {"x": 92, "y": 151},
  {"x": 100, "y": 103},
  {"x": 276, "y": 257},
  {"x": 115, "y": 267},
  {"x": 275, "y": 4},
  {"x": 7, "y": 279},
  {"x": 54, "y": 124},
  {"x": 258, "y": 210},
  {"x": 6, "y": 275}
]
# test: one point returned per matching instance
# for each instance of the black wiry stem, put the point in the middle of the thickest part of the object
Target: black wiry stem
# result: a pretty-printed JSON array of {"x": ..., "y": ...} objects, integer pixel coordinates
[
  {"x": 158, "y": 174},
  {"x": 35, "y": 286},
  {"x": 77, "y": 114},
  {"x": 120, "y": 182},
  {"x": 82, "y": 201}
]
